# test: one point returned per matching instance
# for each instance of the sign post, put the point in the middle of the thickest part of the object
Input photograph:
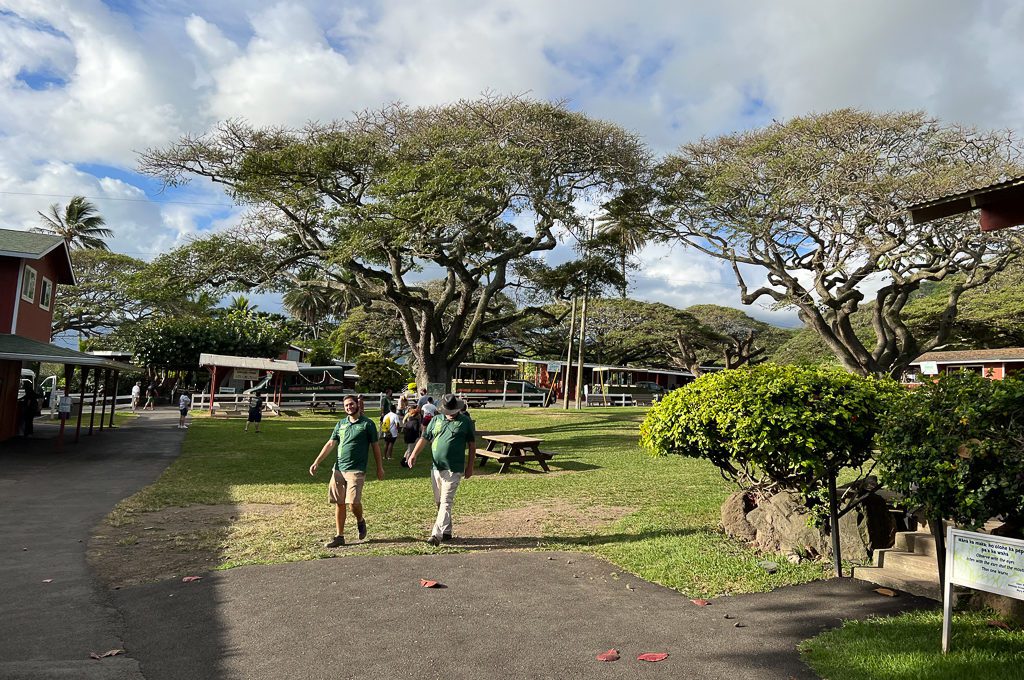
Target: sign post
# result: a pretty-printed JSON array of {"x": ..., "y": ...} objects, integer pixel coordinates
[{"x": 983, "y": 562}]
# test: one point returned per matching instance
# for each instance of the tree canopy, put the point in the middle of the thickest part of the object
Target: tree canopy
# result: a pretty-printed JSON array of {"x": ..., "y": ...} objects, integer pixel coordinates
[
  {"x": 467, "y": 189},
  {"x": 816, "y": 206}
]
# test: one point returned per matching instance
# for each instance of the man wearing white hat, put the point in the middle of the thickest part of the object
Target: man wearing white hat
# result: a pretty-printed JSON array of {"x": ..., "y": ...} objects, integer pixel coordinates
[{"x": 450, "y": 436}]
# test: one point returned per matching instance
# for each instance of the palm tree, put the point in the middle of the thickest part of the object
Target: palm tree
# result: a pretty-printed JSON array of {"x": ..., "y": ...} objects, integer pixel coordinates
[
  {"x": 79, "y": 224},
  {"x": 626, "y": 235},
  {"x": 240, "y": 303}
]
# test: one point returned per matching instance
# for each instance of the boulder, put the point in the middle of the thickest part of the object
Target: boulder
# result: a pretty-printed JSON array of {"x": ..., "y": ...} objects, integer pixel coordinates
[{"x": 734, "y": 516}]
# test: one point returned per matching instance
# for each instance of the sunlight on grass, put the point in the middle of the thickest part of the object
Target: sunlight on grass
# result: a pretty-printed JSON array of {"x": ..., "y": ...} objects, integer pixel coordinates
[
  {"x": 668, "y": 507},
  {"x": 908, "y": 647}
]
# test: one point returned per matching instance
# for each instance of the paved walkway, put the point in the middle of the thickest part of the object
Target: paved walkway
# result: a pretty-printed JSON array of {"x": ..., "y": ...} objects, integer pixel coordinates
[{"x": 502, "y": 615}]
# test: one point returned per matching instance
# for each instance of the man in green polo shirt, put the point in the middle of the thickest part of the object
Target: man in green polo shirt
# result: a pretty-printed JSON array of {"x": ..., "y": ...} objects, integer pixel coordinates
[
  {"x": 450, "y": 433},
  {"x": 353, "y": 435}
]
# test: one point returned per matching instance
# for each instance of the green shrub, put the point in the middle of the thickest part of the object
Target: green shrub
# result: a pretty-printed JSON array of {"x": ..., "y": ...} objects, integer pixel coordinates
[
  {"x": 778, "y": 426},
  {"x": 378, "y": 373},
  {"x": 955, "y": 448}
]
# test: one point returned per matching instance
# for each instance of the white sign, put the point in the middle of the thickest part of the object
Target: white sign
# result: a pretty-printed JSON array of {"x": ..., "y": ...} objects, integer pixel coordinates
[
  {"x": 64, "y": 407},
  {"x": 983, "y": 562},
  {"x": 929, "y": 368},
  {"x": 554, "y": 366},
  {"x": 246, "y": 374}
]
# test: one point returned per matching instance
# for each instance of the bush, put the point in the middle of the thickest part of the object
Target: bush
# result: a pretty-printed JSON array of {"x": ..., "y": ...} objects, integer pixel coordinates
[
  {"x": 777, "y": 426},
  {"x": 378, "y": 373},
  {"x": 955, "y": 448}
]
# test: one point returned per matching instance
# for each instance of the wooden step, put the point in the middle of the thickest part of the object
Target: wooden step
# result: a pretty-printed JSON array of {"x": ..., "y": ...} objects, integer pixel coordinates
[
  {"x": 889, "y": 579},
  {"x": 910, "y": 565}
]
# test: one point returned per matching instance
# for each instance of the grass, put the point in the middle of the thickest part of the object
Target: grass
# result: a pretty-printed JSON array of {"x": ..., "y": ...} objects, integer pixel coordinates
[
  {"x": 908, "y": 647},
  {"x": 664, "y": 511}
]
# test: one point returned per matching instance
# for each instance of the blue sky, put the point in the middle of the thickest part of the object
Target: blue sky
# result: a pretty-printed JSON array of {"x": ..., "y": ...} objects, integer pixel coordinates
[{"x": 89, "y": 84}]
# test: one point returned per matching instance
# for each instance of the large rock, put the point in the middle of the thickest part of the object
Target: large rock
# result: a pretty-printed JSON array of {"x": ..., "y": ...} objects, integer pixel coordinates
[
  {"x": 781, "y": 524},
  {"x": 734, "y": 516}
]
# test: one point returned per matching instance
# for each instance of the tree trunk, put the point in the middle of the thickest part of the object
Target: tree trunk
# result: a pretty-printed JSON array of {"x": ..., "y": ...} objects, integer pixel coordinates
[{"x": 434, "y": 370}]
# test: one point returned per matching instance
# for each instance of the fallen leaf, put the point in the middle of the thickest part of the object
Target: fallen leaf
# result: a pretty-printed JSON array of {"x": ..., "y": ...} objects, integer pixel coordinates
[
  {"x": 430, "y": 584},
  {"x": 190, "y": 579},
  {"x": 728, "y": 616},
  {"x": 995, "y": 623},
  {"x": 700, "y": 602},
  {"x": 739, "y": 625},
  {"x": 47, "y": 580},
  {"x": 112, "y": 652},
  {"x": 610, "y": 655},
  {"x": 652, "y": 656},
  {"x": 886, "y": 591}
]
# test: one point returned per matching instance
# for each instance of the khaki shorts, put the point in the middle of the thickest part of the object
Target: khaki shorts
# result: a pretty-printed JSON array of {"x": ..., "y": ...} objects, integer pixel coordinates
[{"x": 346, "y": 487}]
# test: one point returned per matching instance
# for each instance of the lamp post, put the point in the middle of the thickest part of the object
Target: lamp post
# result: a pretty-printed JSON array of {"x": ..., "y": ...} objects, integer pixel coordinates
[{"x": 583, "y": 323}]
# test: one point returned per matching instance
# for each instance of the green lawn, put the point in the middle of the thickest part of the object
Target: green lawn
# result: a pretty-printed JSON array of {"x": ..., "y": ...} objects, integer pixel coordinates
[
  {"x": 656, "y": 517},
  {"x": 908, "y": 647}
]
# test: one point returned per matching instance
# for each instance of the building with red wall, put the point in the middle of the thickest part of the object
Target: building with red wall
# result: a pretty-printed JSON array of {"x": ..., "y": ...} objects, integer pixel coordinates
[{"x": 31, "y": 266}]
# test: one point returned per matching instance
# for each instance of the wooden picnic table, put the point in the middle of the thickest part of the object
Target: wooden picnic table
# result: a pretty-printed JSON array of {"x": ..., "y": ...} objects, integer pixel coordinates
[{"x": 513, "y": 448}]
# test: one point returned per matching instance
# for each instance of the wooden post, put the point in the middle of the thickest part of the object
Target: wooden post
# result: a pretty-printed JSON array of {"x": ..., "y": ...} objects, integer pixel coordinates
[
  {"x": 69, "y": 372},
  {"x": 937, "y": 525},
  {"x": 568, "y": 356},
  {"x": 95, "y": 396},
  {"x": 84, "y": 370},
  {"x": 213, "y": 386},
  {"x": 103, "y": 407},
  {"x": 113, "y": 403}
]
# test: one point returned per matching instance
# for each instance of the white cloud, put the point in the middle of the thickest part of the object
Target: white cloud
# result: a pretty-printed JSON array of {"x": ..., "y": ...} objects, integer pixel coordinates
[{"x": 81, "y": 83}]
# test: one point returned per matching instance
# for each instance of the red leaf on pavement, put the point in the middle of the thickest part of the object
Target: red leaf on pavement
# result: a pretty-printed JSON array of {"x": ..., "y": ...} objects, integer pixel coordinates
[
  {"x": 886, "y": 591},
  {"x": 994, "y": 623},
  {"x": 190, "y": 579},
  {"x": 112, "y": 652},
  {"x": 652, "y": 656},
  {"x": 610, "y": 655},
  {"x": 700, "y": 602},
  {"x": 430, "y": 584}
]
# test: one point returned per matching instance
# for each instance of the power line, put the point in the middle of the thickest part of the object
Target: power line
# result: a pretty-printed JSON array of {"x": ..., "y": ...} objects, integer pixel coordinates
[{"x": 112, "y": 198}]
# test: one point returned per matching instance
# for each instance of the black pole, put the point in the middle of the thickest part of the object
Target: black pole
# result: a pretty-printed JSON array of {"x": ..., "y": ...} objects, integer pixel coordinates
[
  {"x": 939, "y": 533},
  {"x": 833, "y": 516}
]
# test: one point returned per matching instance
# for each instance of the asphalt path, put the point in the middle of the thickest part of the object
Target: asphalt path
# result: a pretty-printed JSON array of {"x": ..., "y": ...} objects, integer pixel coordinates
[{"x": 500, "y": 614}]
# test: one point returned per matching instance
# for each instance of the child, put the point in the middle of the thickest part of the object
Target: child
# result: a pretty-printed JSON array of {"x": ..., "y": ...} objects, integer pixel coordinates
[
  {"x": 184, "y": 401},
  {"x": 410, "y": 431},
  {"x": 389, "y": 426},
  {"x": 255, "y": 412}
]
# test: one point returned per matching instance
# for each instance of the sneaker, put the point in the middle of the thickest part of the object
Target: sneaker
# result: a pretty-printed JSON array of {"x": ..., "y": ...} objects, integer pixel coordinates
[
  {"x": 335, "y": 542},
  {"x": 361, "y": 525},
  {"x": 434, "y": 541}
]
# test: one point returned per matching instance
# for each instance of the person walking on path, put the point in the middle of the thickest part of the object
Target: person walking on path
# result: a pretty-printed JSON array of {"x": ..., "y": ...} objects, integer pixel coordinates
[
  {"x": 184, "y": 401},
  {"x": 353, "y": 436},
  {"x": 450, "y": 435},
  {"x": 385, "y": 404},
  {"x": 429, "y": 410},
  {"x": 136, "y": 396},
  {"x": 403, "y": 405},
  {"x": 423, "y": 397},
  {"x": 255, "y": 412},
  {"x": 389, "y": 430},
  {"x": 150, "y": 397},
  {"x": 411, "y": 424}
]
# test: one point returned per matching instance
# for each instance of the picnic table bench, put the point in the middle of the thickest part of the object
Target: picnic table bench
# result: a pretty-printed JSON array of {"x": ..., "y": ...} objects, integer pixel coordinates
[
  {"x": 513, "y": 448},
  {"x": 323, "y": 406}
]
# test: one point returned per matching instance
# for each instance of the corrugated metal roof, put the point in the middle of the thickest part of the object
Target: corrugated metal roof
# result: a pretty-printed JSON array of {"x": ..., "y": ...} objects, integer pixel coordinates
[
  {"x": 1004, "y": 184},
  {"x": 969, "y": 355},
  {"x": 224, "y": 361},
  {"x": 17, "y": 348}
]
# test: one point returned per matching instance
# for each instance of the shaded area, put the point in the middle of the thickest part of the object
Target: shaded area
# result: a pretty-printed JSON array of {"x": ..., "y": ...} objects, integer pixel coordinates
[{"x": 502, "y": 615}]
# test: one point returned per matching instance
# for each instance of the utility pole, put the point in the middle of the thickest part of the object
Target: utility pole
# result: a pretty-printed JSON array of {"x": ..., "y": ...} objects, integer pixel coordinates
[
  {"x": 567, "y": 375},
  {"x": 583, "y": 324}
]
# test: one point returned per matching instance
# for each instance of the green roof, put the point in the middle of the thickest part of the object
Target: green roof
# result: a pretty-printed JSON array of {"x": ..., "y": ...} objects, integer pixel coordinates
[
  {"x": 27, "y": 243},
  {"x": 17, "y": 348}
]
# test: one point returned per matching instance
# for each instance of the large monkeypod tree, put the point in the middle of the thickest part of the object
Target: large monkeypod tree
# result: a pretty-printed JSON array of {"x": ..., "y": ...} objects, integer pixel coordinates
[
  {"x": 813, "y": 212},
  {"x": 388, "y": 199}
]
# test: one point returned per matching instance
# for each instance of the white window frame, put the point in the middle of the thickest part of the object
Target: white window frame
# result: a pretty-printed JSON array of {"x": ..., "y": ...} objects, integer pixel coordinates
[
  {"x": 47, "y": 285},
  {"x": 33, "y": 275}
]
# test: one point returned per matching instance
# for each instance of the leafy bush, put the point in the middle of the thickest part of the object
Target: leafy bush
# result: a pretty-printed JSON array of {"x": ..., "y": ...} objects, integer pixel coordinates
[
  {"x": 771, "y": 425},
  {"x": 378, "y": 373},
  {"x": 955, "y": 447}
]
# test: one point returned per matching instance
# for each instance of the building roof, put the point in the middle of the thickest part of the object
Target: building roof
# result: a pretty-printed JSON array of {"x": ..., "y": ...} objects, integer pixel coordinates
[
  {"x": 17, "y": 348},
  {"x": 32, "y": 246},
  {"x": 225, "y": 361},
  {"x": 972, "y": 356},
  {"x": 965, "y": 201}
]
